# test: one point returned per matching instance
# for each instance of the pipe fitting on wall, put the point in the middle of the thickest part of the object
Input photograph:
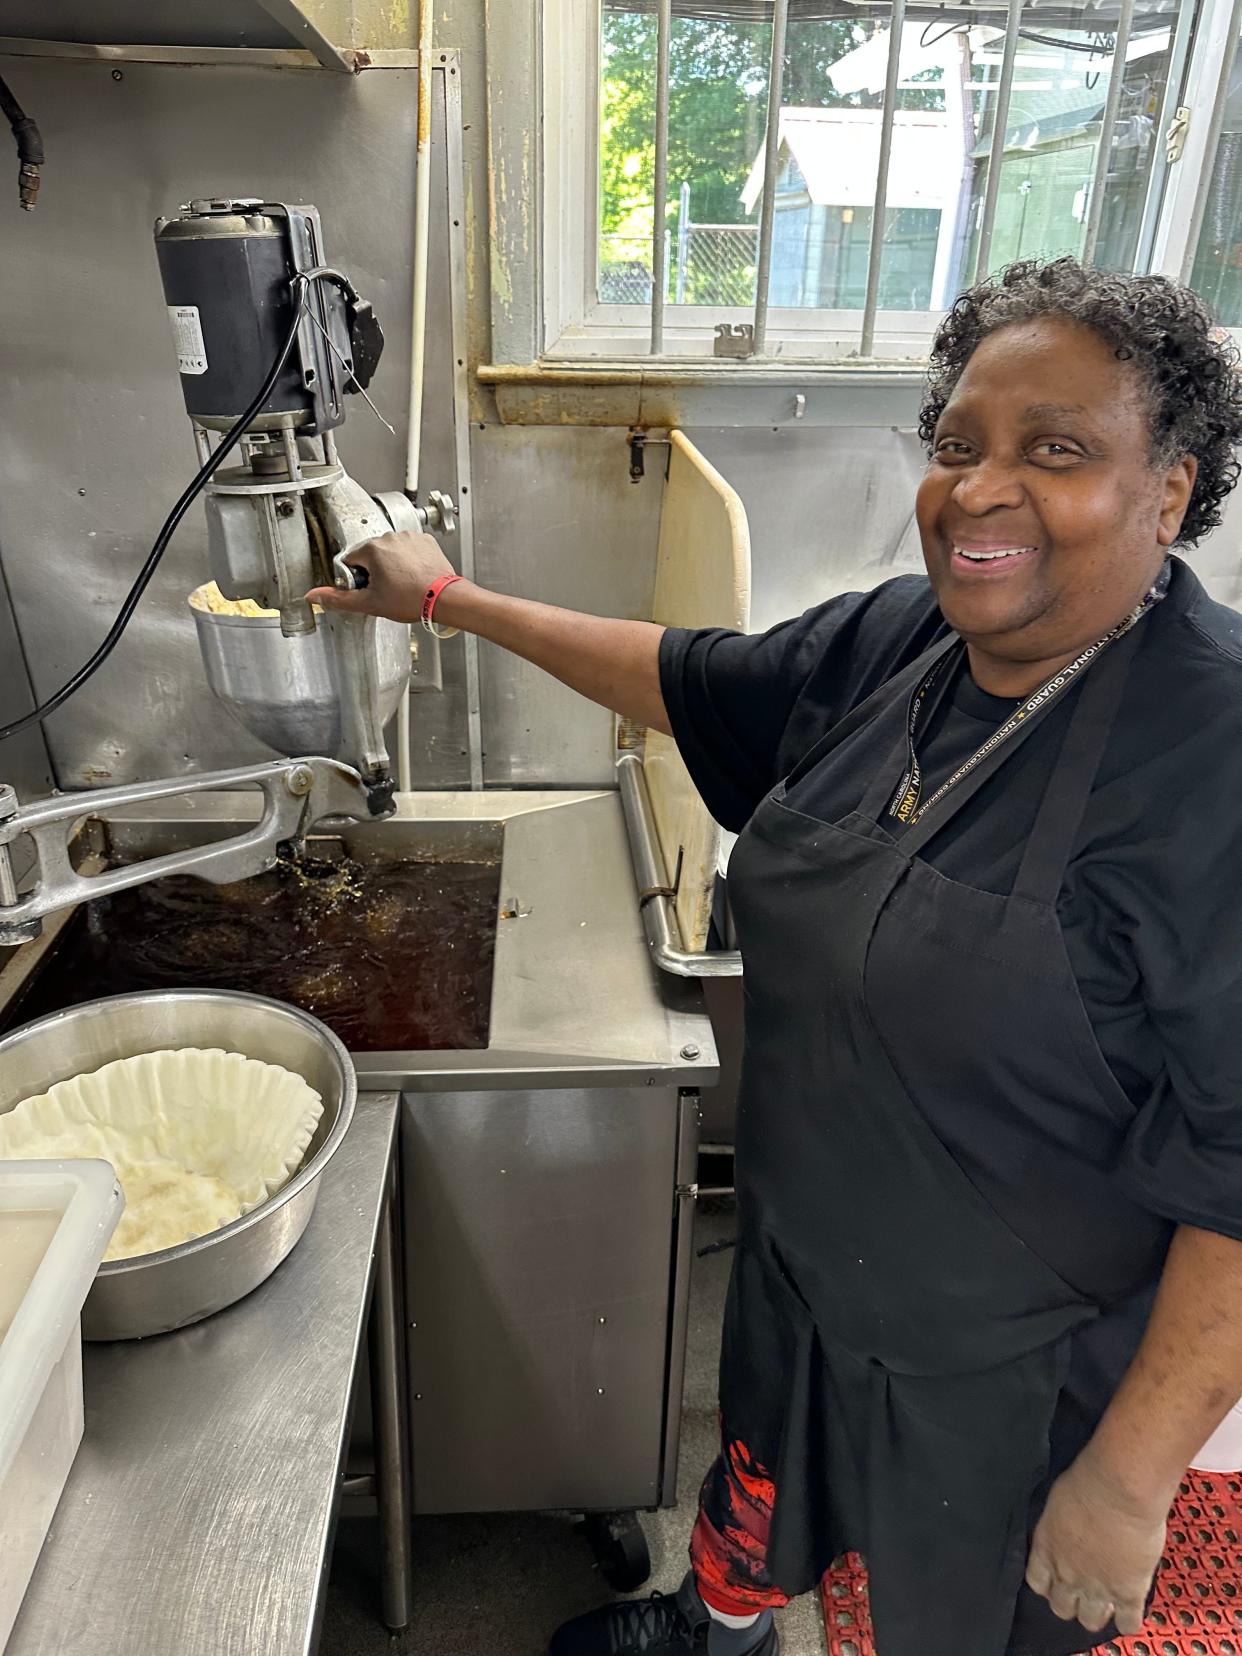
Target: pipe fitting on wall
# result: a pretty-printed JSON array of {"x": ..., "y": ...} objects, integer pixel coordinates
[{"x": 29, "y": 148}]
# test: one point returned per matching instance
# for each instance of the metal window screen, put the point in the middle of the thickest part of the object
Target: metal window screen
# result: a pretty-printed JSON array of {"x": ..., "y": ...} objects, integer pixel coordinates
[{"x": 981, "y": 133}]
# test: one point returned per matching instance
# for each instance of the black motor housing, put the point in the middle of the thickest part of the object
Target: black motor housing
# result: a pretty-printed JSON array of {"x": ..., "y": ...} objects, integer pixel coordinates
[{"x": 227, "y": 269}]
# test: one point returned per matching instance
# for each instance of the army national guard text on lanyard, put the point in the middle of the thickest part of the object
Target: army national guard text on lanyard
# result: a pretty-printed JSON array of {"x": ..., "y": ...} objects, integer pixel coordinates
[{"x": 907, "y": 805}]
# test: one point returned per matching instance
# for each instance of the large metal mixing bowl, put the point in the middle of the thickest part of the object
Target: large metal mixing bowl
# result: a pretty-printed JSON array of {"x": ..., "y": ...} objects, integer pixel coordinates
[
  {"x": 156, "y": 1292},
  {"x": 285, "y": 690}
]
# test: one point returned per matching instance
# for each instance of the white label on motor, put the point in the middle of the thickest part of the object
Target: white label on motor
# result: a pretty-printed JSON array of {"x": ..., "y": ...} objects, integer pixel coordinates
[{"x": 188, "y": 338}]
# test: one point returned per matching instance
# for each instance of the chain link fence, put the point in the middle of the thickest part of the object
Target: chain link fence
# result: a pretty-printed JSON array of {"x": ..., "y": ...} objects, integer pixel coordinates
[
  {"x": 718, "y": 266},
  {"x": 624, "y": 270},
  {"x": 710, "y": 264}
]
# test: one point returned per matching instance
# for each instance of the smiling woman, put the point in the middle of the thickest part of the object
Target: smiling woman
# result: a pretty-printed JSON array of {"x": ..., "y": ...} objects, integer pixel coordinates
[
  {"x": 1040, "y": 517},
  {"x": 1184, "y": 372},
  {"x": 987, "y": 1295},
  {"x": 1090, "y": 422}
]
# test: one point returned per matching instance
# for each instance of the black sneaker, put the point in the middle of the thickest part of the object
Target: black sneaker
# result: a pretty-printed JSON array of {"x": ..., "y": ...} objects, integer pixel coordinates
[{"x": 662, "y": 1625}]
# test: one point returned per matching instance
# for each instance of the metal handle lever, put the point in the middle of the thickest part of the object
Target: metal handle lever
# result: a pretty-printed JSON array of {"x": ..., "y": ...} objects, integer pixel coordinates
[
  {"x": 349, "y": 577},
  {"x": 297, "y": 793},
  {"x": 439, "y": 514}
]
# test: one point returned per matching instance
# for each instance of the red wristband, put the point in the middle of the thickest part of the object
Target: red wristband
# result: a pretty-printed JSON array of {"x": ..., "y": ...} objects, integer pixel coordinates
[{"x": 432, "y": 597}]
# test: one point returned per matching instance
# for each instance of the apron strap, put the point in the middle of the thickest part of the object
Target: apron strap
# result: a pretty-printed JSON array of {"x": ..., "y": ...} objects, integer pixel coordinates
[
  {"x": 883, "y": 695},
  {"x": 1050, "y": 842}
]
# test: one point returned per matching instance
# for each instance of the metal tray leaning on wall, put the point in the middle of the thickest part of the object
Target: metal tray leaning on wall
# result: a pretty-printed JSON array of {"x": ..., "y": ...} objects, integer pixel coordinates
[{"x": 703, "y": 579}]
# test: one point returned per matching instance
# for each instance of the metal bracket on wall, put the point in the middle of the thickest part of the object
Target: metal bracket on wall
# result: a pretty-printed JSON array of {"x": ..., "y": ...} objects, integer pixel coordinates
[
  {"x": 207, "y": 40},
  {"x": 297, "y": 23},
  {"x": 639, "y": 440}
]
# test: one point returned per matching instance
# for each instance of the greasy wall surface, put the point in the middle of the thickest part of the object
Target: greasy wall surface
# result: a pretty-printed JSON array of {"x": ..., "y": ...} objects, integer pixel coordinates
[{"x": 24, "y": 763}]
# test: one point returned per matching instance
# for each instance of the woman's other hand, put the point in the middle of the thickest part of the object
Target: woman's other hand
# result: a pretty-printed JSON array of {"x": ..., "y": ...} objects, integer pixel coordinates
[
  {"x": 401, "y": 566},
  {"x": 1095, "y": 1550}
]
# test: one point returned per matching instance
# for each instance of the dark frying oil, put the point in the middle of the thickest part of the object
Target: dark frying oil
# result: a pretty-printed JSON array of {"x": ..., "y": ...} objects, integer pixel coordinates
[{"x": 393, "y": 956}]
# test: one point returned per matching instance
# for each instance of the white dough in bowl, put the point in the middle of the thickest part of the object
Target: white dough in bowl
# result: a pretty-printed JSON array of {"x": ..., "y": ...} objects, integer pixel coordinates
[{"x": 197, "y": 1138}]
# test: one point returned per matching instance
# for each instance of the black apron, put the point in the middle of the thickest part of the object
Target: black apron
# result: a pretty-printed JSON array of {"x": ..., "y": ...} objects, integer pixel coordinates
[{"x": 895, "y": 1347}]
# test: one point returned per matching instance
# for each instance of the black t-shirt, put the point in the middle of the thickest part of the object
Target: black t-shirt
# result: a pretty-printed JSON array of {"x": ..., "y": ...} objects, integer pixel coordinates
[{"x": 1151, "y": 902}]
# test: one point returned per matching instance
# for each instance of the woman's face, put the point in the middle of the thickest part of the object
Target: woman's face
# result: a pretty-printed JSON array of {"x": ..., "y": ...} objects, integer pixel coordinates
[{"x": 1041, "y": 516}]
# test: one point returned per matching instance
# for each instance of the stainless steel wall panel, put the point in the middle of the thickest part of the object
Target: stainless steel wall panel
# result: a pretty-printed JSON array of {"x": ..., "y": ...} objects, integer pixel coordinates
[
  {"x": 97, "y": 444},
  {"x": 830, "y": 510},
  {"x": 24, "y": 762},
  {"x": 559, "y": 520}
]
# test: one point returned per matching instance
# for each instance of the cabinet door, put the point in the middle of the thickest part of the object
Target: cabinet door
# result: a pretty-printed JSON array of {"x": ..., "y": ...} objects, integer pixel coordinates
[{"x": 538, "y": 1246}]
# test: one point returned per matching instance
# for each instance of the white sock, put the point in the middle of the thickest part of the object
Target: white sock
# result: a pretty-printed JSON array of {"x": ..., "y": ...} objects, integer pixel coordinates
[{"x": 731, "y": 1621}]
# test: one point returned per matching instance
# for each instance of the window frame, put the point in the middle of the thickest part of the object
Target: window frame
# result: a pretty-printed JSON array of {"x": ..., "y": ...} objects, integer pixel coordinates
[
  {"x": 575, "y": 327},
  {"x": 1174, "y": 249}
]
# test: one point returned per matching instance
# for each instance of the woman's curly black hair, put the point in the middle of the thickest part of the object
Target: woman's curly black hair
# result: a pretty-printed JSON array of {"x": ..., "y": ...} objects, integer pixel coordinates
[{"x": 1191, "y": 372}]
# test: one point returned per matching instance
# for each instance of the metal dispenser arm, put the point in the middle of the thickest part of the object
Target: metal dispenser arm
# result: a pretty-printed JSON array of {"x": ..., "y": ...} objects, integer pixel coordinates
[{"x": 297, "y": 794}]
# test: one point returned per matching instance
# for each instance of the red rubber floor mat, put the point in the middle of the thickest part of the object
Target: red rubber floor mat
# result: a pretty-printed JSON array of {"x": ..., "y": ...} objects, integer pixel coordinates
[
  {"x": 847, "y": 1614},
  {"x": 1197, "y": 1610}
]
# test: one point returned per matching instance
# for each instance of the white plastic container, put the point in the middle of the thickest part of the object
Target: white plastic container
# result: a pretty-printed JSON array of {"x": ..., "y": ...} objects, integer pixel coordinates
[
  {"x": 1223, "y": 1450},
  {"x": 56, "y": 1218}
]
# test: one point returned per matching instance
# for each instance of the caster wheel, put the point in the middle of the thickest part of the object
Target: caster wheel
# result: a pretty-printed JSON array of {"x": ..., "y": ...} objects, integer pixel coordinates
[{"x": 620, "y": 1548}]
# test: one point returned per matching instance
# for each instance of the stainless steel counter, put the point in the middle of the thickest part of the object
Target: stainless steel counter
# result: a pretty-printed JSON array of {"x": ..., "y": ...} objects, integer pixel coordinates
[
  {"x": 547, "y": 1178},
  {"x": 198, "y": 1517}
]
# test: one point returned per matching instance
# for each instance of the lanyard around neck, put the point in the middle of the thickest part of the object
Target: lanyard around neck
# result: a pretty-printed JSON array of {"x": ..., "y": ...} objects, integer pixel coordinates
[{"x": 907, "y": 804}]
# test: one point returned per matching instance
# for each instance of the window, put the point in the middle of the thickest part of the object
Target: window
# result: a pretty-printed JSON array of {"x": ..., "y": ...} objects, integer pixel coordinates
[
  {"x": 1216, "y": 272},
  {"x": 1008, "y": 137}
]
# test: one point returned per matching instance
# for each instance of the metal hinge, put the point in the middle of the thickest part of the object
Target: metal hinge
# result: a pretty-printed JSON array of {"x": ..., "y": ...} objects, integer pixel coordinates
[
  {"x": 687, "y": 1192},
  {"x": 1175, "y": 137}
]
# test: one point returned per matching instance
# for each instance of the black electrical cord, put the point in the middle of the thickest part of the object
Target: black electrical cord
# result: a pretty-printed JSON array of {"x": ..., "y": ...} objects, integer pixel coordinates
[
  {"x": 29, "y": 147},
  {"x": 1098, "y": 46},
  {"x": 1092, "y": 48},
  {"x": 236, "y": 432},
  {"x": 927, "y": 39},
  {"x": 326, "y": 273}
]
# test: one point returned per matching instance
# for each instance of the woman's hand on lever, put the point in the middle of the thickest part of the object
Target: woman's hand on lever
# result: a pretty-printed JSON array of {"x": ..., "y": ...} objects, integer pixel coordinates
[
  {"x": 614, "y": 663},
  {"x": 401, "y": 567}
]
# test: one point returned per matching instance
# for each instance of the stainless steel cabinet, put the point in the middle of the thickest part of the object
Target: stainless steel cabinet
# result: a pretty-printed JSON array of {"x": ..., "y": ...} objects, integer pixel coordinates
[{"x": 547, "y": 1237}]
